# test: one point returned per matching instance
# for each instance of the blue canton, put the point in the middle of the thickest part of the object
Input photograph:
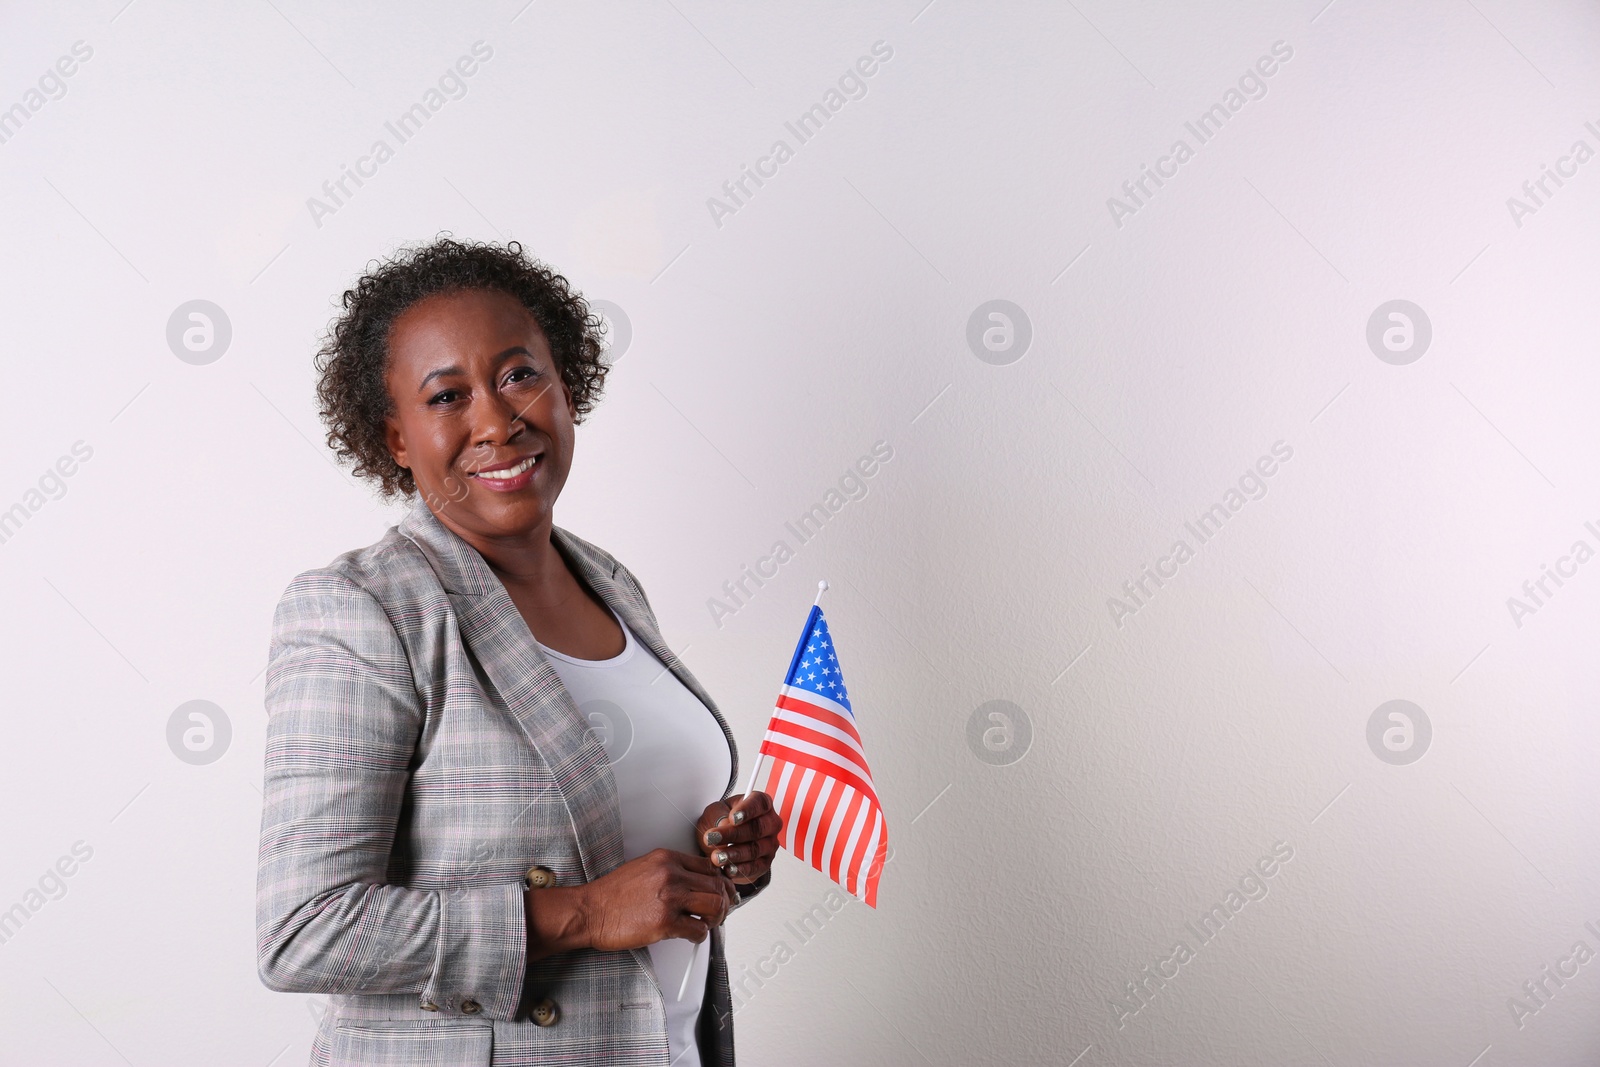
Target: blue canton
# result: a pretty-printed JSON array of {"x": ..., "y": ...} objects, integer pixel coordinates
[{"x": 817, "y": 670}]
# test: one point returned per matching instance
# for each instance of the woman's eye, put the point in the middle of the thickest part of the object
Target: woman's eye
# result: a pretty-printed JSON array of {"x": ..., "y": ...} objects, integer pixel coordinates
[
  {"x": 443, "y": 398},
  {"x": 522, "y": 374}
]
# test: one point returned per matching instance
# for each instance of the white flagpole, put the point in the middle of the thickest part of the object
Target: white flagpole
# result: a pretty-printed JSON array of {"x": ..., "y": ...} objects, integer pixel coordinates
[{"x": 822, "y": 587}]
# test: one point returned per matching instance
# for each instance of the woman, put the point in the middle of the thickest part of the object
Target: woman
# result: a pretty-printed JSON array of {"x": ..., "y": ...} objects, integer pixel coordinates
[{"x": 447, "y": 848}]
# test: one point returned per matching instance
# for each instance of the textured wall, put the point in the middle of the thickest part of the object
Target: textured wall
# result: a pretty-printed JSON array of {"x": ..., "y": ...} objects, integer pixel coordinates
[{"x": 1351, "y": 319}]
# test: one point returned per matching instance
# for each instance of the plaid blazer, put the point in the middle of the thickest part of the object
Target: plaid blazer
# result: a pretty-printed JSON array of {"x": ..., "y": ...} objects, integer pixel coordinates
[{"x": 422, "y": 755}]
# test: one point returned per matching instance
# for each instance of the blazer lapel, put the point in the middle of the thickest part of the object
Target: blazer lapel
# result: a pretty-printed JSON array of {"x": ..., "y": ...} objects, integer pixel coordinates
[{"x": 498, "y": 637}]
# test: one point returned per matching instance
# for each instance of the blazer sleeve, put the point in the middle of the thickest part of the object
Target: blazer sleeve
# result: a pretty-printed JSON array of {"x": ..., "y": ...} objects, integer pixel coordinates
[{"x": 344, "y": 715}]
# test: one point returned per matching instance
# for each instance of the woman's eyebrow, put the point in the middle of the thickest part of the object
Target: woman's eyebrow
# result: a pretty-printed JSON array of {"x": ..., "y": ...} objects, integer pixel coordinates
[{"x": 514, "y": 350}]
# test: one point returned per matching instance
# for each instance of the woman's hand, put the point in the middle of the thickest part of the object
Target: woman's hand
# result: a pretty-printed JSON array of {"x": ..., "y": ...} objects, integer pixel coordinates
[
  {"x": 740, "y": 835},
  {"x": 659, "y": 895}
]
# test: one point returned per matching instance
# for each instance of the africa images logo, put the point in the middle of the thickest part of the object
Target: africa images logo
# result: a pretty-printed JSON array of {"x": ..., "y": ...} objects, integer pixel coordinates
[
  {"x": 451, "y": 85},
  {"x": 1252, "y": 85},
  {"x": 852, "y": 85}
]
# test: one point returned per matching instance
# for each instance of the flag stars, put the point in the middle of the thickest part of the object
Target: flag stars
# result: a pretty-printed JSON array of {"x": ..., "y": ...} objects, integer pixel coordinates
[{"x": 816, "y": 668}]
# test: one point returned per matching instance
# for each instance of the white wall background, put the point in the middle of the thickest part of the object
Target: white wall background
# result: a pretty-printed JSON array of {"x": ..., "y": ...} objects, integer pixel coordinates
[{"x": 1164, "y": 756}]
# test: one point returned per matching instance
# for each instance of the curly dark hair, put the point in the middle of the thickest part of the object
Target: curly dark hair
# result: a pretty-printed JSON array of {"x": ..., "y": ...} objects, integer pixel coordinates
[{"x": 351, "y": 389}]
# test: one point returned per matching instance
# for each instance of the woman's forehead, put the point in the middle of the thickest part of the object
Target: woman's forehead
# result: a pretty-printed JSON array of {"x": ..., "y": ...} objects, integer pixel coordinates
[{"x": 463, "y": 323}]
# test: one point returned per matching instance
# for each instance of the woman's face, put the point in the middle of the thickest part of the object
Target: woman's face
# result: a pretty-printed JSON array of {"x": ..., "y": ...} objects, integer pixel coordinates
[{"x": 476, "y": 396}]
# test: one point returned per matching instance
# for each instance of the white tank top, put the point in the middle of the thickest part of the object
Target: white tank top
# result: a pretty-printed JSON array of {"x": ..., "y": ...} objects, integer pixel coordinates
[{"x": 670, "y": 759}]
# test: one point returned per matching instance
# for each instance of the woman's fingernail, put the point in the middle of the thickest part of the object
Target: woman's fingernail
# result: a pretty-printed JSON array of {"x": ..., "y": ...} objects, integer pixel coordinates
[
  {"x": 738, "y": 817},
  {"x": 732, "y": 869},
  {"x": 720, "y": 858},
  {"x": 714, "y": 838}
]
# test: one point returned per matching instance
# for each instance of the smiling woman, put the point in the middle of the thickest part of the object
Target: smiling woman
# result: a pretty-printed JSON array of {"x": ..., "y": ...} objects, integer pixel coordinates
[{"x": 446, "y": 846}]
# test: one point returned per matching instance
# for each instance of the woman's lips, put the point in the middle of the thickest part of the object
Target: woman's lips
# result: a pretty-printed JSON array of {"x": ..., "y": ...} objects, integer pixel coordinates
[{"x": 510, "y": 479}]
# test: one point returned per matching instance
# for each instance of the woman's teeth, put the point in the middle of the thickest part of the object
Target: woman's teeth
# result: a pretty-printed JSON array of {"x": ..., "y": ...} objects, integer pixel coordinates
[{"x": 509, "y": 472}]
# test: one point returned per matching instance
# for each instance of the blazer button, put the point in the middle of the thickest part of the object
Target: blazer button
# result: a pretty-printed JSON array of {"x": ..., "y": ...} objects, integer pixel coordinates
[
  {"x": 541, "y": 878},
  {"x": 470, "y": 1007},
  {"x": 428, "y": 1005},
  {"x": 546, "y": 1013}
]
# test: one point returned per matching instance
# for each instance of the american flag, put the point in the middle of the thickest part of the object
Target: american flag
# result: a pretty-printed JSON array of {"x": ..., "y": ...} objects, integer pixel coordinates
[{"x": 819, "y": 780}]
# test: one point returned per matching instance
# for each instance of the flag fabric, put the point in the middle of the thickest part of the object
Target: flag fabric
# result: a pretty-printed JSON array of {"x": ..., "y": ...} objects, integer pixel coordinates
[{"x": 819, "y": 779}]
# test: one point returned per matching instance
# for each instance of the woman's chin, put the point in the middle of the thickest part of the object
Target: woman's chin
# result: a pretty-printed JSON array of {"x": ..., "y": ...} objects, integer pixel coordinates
[{"x": 509, "y": 514}]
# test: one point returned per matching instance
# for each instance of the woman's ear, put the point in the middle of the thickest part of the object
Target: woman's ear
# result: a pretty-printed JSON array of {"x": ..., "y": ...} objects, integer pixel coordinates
[{"x": 395, "y": 442}]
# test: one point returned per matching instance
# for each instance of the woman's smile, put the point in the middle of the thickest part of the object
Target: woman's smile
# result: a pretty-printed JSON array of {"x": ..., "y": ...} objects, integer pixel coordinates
[{"x": 508, "y": 477}]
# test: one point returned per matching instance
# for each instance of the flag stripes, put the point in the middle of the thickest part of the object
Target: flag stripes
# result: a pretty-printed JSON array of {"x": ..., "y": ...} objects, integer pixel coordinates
[{"x": 818, "y": 778}]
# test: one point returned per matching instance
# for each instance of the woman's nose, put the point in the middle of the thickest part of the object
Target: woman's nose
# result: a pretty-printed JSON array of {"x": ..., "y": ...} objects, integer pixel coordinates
[{"x": 495, "y": 420}]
